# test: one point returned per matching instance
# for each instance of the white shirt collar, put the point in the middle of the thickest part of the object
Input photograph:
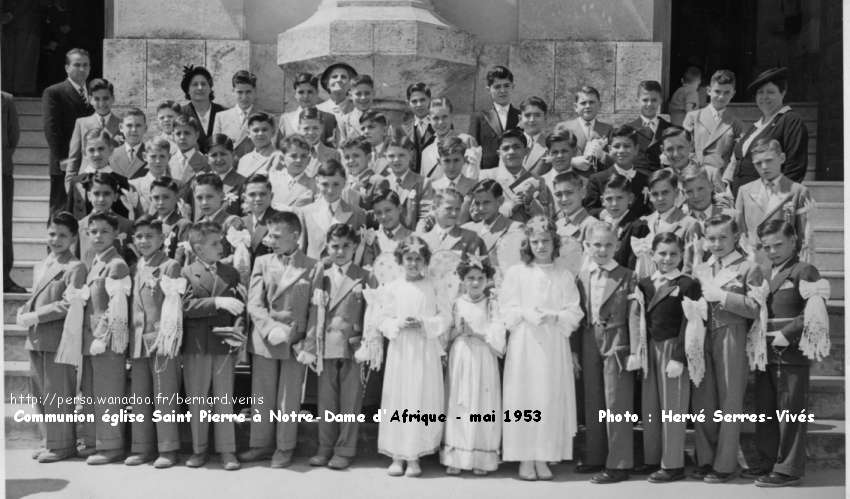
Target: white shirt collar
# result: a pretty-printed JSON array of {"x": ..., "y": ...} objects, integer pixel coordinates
[
  {"x": 260, "y": 217},
  {"x": 609, "y": 265},
  {"x": 726, "y": 260},
  {"x": 501, "y": 109},
  {"x": 78, "y": 87},
  {"x": 629, "y": 174},
  {"x": 185, "y": 155},
  {"x": 342, "y": 268},
  {"x": 647, "y": 121},
  {"x": 664, "y": 216},
  {"x": 91, "y": 169},
  {"x": 657, "y": 275}
]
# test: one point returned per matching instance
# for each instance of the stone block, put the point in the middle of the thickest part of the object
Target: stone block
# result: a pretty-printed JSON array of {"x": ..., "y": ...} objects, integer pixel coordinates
[
  {"x": 223, "y": 59},
  {"x": 584, "y": 63},
  {"x": 587, "y": 20},
  {"x": 124, "y": 62},
  {"x": 489, "y": 55},
  {"x": 302, "y": 43},
  {"x": 187, "y": 19},
  {"x": 351, "y": 37},
  {"x": 532, "y": 63},
  {"x": 393, "y": 37},
  {"x": 447, "y": 44},
  {"x": 636, "y": 61},
  {"x": 394, "y": 73},
  {"x": 270, "y": 81},
  {"x": 166, "y": 59}
]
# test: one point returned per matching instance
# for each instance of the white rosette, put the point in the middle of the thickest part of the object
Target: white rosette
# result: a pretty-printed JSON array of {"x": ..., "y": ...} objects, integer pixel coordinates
[
  {"x": 642, "y": 248},
  {"x": 117, "y": 313},
  {"x": 757, "y": 335},
  {"x": 696, "y": 313},
  {"x": 240, "y": 240},
  {"x": 170, "y": 335},
  {"x": 472, "y": 167},
  {"x": 70, "y": 350},
  {"x": 814, "y": 342},
  {"x": 642, "y": 349}
]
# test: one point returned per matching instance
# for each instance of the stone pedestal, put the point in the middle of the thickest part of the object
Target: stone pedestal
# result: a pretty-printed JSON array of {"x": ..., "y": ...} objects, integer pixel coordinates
[{"x": 397, "y": 42}]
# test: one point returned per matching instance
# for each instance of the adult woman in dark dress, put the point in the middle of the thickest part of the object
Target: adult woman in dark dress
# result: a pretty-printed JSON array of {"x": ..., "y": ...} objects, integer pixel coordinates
[
  {"x": 779, "y": 122},
  {"x": 197, "y": 86}
]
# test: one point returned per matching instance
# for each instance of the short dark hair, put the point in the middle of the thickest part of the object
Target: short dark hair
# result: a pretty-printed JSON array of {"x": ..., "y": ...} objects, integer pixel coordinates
[
  {"x": 624, "y": 131},
  {"x": 418, "y": 87},
  {"x": 259, "y": 178},
  {"x": 106, "y": 178},
  {"x": 166, "y": 183},
  {"x": 776, "y": 226},
  {"x": 668, "y": 238},
  {"x": 664, "y": 175},
  {"x": 569, "y": 177},
  {"x": 588, "y": 90},
  {"x": 342, "y": 231},
  {"x": 363, "y": 79},
  {"x": 358, "y": 142},
  {"x": 100, "y": 84},
  {"x": 373, "y": 116},
  {"x": 450, "y": 145},
  {"x": 169, "y": 104},
  {"x": 536, "y": 102},
  {"x": 649, "y": 86},
  {"x": 305, "y": 79},
  {"x": 405, "y": 247},
  {"x": 561, "y": 135},
  {"x": 384, "y": 193},
  {"x": 514, "y": 133},
  {"x": 104, "y": 217},
  {"x": 209, "y": 178},
  {"x": 442, "y": 102},
  {"x": 188, "y": 121},
  {"x": 488, "y": 186},
  {"x": 499, "y": 73},
  {"x": 134, "y": 111},
  {"x": 674, "y": 131},
  {"x": 262, "y": 117},
  {"x": 221, "y": 140},
  {"x": 723, "y": 77},
  {"x": 285, "y": 142},
  {"x": 329, "y": 168},
  {"x": 618, "y": 182},
  {"x": 148, "y": 221},
  {"x": 722, "y": 219},
  {"x": 66, "y": 220},
  {"x": 309, "y": 113},
  {"x": 287, "y": 218},
  {"x": 244, "y": 77},
  {"x": 199, "y": 231},
  {"x": 78, "y": 51}
]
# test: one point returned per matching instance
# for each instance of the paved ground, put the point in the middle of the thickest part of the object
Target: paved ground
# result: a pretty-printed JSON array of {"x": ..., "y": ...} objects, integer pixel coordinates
[{"x": 366, "y": 479}]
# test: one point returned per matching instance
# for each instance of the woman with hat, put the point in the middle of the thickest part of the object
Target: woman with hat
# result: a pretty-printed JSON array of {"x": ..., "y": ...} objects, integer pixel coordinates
[
  {"x": 336, "y": 80},
  {"x": 197, "y": 86},
  {"x": 778, "y": 121}
]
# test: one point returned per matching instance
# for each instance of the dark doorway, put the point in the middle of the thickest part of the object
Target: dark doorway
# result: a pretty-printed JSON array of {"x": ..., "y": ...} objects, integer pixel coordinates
[
  {"x": 37, "y": 33},
  {"x": 713, "y": 35}
]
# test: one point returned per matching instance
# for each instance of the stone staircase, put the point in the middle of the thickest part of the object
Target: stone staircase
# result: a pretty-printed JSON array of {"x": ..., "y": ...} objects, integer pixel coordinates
[{"x": 826, "y": 401}]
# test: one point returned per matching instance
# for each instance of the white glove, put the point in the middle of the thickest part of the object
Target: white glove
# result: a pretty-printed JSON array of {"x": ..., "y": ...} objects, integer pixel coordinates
[
  {"x": 713, "y": 294},
  {"x": 279, "y": 335},
  {"x": 27, "y": 319},
  {"x": 632, "y": 363},
  {"x": 230, "y": 305},
  {"x": 674, "y": 368},
  {"x": 97, "y": 347},
  {"x": 779, "y": 339},
  {"x": 306, "y": 358}
]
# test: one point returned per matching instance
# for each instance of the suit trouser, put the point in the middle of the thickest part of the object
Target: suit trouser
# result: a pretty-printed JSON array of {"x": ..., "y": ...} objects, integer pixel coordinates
[
  {"x": 158, "y": 380},
  {"x": 341, "y": 392},
  {"x": 8, "y": 187},
  {"x": 104, "y": 377},
  {"x": 278, "y": 382},
  {"x": 606, "y": 386},
  {"x": 663, "y": 443},
  {"x": 722, "y": 388},
  {"x": 782, "y": 445},
  {"x": 58, "y": 196},
  {"x": 50, "y": 382},
  {"x": 207, "y": 376}
]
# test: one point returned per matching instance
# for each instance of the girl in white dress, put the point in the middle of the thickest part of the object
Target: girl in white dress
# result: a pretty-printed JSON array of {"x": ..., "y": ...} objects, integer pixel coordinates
[
  {"x": 413, "y": 380},
  {"x": 477, "y": 338},
  {"x": 539, "y": 302}
]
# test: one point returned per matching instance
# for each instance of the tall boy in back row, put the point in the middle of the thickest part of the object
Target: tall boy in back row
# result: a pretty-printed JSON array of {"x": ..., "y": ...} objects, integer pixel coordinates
[
  {"x": 487, "y": 126},
  {"x": 649, "y": 127}
]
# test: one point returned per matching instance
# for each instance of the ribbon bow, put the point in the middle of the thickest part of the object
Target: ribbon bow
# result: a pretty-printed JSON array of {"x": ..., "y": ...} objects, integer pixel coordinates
[
  {"x": 642, "y": 348},
  {"x": 815, "y": 343},
  {"x": 170, "y": 335},
  {"x": 696, "y": 312},
  {"x": 70, "y": 350},
  {"x": 116, "y": 327},
  {"x": 757, "y": 335},
  {"x": 642, "y": 248}
]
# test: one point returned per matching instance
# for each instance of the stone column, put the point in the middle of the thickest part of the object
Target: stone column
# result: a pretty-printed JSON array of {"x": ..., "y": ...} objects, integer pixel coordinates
[{"x": 397, "y": 42}]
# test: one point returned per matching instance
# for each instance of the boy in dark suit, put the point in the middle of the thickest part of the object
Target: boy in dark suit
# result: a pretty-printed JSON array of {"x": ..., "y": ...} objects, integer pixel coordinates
[
  {"x": 258, "y": 198},
  {"x": 105, "y": 340},
  {"x": 331, "y": 346},
  {"x": 609, "y": 340},
  {"x": 419, "y": 129},
  {"x": 44, "y": 317},
  {"x": 61, "y": 105},
  {"x": 487, "y": 126},
  {"x": 649, "y": 127},
  {"x": 408, "y": 185},
  {"x": 282, "y": 286},
  {"x": 617, "y": 200},
  {"x": 533, "y": 122},
  {"x": 103, "y": 193},
  {"x": 587, "y": 128},
  {"x": 212, "y": 332},
  {"x": 128, "y": 159},
  {"x": 306, "y": 90},
  {"x": 154, "y": 347},
  {"x": 233, "y": 122},
  {"x": 623, "y": 151},
  {"x": 164, "y": 204}
]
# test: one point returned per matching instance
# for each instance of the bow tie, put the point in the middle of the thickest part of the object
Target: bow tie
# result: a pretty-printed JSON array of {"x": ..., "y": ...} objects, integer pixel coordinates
[
  {"x": 629, "y": 174},
  {"x": 658, "y": 276},
  {"x": 595, "y": 267}
]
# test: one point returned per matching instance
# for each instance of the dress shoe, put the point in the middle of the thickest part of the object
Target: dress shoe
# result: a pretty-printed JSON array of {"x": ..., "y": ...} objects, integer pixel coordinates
[
  {"x": 165, "y": 460},
  {"x": 229, "y": 461},
  {"x": 281, "y": 458},
  {"x": 105, "y": 457},
  {"x": 339, "y": 463},
  {"x": 197, "y": 460},
  {"x": 775, "y": 479},
  {"x": 754, "y": 472},
  {"x": 718, "y": 477},
  {"x": 38, "y": 451},
  {"x": 55, "y": 455},
  {"x": 413, "y": 469},
  {"x": 137, "y": 459},
  {"x": 478, "y": 472},
  {"x": 700, "y": 472},
  {"x": 588, "y": 468},
  {"x": 665, "y": 475},
  {"x": 319, "y": 460},
  {"x": 13, "y": 287},
  {"x": 610, "y": 476},
  {"x": 85, "y": 451},
  {"x": 645, "y": 469},
  {"x": 396, "y": 468},
  {"x": 255, "y": 454}
]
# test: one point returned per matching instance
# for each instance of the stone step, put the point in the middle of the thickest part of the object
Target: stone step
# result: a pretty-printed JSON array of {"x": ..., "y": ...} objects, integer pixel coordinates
[
  {"x": 826, "y": 397},
  {"x": 825, "y": 191},
  {"x": 37, "y": 170},
  {"x": 11, "y": 303},
  {"x": 31, "y": 185},
  {"x": 829, "y": 236},
  {"x": 830, "y": 213},
  {"x": 31, "y": 122},
  {"x": 24, "y": 105},
  {"x": 32, "y": 155},
  {"x": 29, "y": 227},
  {"x": 22, "y": 272},
  {"x": 32, "y": 138},
  {"x": 14, "y": 339},
  {"x": 32, "y": 206},
  {"x": 829, "y": 258},
  {"x": 836, "y": 280},
  {"x": 35, "y": 248},
  {"x": 16, "y": 377}
]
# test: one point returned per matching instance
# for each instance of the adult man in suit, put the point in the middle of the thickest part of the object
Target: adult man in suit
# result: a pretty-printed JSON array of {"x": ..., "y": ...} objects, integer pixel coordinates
[
  {"x": 419, "y": 129},
  {"x": 649, "y": 127},
  {"x": 11, "y": 133},
  {"x": 306, "y": 87},
  {"x": 487, "y": 126},
  {"x": 62, "y": 104},
  {"x": 713, "y": 128},
  {"x": 586, "y": 127},
  {"x": 233, "y": 122}
]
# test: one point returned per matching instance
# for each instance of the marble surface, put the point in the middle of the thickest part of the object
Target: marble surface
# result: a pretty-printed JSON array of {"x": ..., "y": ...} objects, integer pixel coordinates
[
  {"x": 186, "y": 19},
  {"x": 124, "y": 64},
  {"x": 584, "y": 63},
  {"x": 597, "y": 20},
  {"x": 531, "y": 62},
  {"x": 165, "y": 61},
  {"x": 636, "y": 61},
  {"x": 270, "y": 78},
  {"x": 223, "y": 59}
]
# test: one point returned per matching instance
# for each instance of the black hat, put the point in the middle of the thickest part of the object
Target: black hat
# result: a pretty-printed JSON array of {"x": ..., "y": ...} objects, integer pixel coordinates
[
  {"x": 327, "y": 73},
  {"x": 771, "y": 75}
]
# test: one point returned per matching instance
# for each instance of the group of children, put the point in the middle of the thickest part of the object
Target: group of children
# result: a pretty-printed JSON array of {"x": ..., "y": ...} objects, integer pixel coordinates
[{"x": 611, "y": 255}]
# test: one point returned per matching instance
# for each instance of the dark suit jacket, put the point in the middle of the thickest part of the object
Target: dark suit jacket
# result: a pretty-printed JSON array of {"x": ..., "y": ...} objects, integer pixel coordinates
[
  {"x": 788, "y": 128},
  {"x": 596, "y": 184},
  {"x": 49, "y": 304},
  {"x": 785, "y": 302},
  {"x": 649, "y": 145},
  {"x": 175, "y": 233},
  {"x": 206, "y": 128},
  {"x": 11, "y": 131},
  {"x": 61, "y": 106},
  {"x": 258, "y": 232},
  {"x": 419, "y": 141},
  {"x": 664, "y": 316},
  {"x": 200, "y": 314},
  {"x": 486, "y": 129},
  {"x": 630, "y": 226}
]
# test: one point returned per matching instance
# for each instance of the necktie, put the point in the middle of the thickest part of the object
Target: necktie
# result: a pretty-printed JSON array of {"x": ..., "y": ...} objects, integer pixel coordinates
[
  {"x": 284, "y": 260},
  {"x": 103, "y": 121},
  {"x": 131, "y": 153},
  {"x": 82, "y": 93},
  {"x": 587, "y": 129}
]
